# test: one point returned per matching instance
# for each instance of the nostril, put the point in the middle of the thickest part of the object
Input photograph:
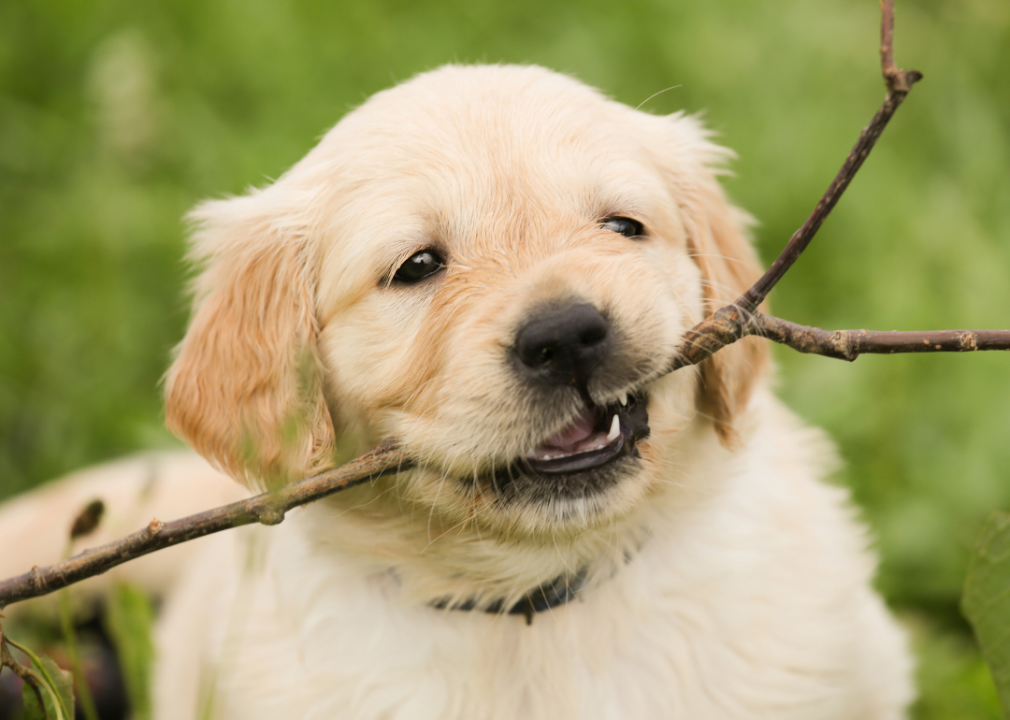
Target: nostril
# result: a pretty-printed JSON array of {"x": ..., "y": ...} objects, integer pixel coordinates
[
  {"x": 594, "y": 334},
  {"x": 536, "y": 348}
]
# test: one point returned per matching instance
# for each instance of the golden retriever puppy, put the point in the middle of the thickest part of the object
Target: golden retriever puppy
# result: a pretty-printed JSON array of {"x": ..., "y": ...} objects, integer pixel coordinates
[{"x": 495, "y": 264}]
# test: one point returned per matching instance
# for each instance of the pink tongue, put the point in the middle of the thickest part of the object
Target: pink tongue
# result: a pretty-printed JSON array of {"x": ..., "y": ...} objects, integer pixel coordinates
[{"x": 568, "y": 439}]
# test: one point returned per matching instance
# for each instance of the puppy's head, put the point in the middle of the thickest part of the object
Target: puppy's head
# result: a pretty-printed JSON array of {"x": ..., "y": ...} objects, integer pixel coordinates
[{"x": 492, "y": 264}]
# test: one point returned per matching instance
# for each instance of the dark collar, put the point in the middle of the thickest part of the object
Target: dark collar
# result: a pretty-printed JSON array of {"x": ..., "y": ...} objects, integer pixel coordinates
[{"x": 559, "y": 591}]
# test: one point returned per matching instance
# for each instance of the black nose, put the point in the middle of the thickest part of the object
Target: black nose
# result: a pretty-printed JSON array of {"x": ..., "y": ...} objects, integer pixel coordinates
[{"x": 563, "y": 344}]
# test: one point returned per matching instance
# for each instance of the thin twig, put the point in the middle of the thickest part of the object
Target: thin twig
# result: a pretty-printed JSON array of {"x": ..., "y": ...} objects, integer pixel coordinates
[
  {"x": 26, "y": 674},
  {"x": 728, "y": 324},
  {"x": 899, "y": 83},
  {"x": 268, "y": 509},
  {"x": 897, "y": 80},
  {"x": 46, "y": 681},
  {"x": 850, "y": 344}
]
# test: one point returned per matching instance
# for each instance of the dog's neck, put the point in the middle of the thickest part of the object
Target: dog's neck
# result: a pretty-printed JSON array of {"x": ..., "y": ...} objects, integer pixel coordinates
[
  {"x": 560, "y": 591},
  {"x": 469, "y": 570},
  {"x": 436, "y": 562}
]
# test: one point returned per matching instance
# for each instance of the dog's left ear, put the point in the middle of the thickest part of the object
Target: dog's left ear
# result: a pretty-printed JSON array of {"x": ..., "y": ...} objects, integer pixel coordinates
[
  {"x": 720, "y": 245},
  {"x": 245, "y": 389}
]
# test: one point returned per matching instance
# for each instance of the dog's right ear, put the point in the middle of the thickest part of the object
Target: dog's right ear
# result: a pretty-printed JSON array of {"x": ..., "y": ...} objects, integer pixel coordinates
[
  {"x": 729, "y": 266},
  {"x": 245, "y": 389}
]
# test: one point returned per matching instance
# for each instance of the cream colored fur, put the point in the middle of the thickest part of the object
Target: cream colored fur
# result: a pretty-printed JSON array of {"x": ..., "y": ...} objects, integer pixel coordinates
[{"x": 725, "y": 578}]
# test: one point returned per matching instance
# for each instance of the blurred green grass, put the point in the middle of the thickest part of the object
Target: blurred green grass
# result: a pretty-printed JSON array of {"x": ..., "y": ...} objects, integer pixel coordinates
[{"x": 116, "y": 117}]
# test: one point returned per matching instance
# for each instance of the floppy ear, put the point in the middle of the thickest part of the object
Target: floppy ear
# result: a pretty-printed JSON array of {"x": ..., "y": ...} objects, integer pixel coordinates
[
  {"x": 729, "y": 266},
  {"x": 719, "y": 242},
  {"x": 245, "y": 389}
]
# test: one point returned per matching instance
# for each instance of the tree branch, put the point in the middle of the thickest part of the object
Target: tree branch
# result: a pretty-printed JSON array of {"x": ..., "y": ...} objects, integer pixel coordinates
[
  {"x": 729, "y": 323},
  {"x": 899, "y": 82},
  {"x": 850, "y": 344},
  {"x": 726, "y": 326},
  {"x": 267, "y": 509},
  {"x": 26, "y": 674}
]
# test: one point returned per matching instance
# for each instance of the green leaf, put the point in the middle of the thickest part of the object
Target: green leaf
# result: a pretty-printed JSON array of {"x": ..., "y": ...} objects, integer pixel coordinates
[
  {"x": 57, "y": 692},
  {"x": 129, "y": 620},
  {"x": 32, "y": 711},
  {"x": 986, "y": 601}
]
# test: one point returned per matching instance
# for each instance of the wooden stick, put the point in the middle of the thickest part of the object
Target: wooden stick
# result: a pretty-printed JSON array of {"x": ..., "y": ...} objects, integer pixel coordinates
[
  {"x": 268, "y": 509},
  {"x": 850, "y": 344}
]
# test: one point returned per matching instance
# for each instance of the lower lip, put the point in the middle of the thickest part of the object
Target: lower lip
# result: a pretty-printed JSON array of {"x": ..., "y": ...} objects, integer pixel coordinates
[
  {"x": 584, "y": 461},
  {"x": 634, "y": 426}
]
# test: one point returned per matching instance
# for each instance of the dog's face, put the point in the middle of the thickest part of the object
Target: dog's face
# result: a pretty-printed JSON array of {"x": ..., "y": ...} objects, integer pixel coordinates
[{"x": 493, "y": 265}]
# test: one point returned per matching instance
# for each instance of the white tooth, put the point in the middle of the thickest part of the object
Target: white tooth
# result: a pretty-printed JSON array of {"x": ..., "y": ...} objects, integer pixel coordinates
[
  {"x": 615, "y": 430},
  {"x": 623, "y": 397}
]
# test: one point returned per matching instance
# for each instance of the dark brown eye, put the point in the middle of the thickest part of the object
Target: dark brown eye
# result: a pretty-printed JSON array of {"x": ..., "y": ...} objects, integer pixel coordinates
[
  {"x": 419, "y": 266},
  {"x": 623, "y": 226}
]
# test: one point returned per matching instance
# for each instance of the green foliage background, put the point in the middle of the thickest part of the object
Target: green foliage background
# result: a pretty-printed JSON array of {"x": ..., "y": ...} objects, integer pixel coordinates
[{"x": 116, "y": 117}]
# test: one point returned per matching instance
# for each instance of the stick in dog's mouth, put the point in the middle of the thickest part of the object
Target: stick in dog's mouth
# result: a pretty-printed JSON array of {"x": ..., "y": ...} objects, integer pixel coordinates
[{"x": 598, "y": 436}]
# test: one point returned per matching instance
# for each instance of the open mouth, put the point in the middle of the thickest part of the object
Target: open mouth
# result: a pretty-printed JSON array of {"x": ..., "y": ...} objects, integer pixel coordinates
[{"x": 598, "y": 436}]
